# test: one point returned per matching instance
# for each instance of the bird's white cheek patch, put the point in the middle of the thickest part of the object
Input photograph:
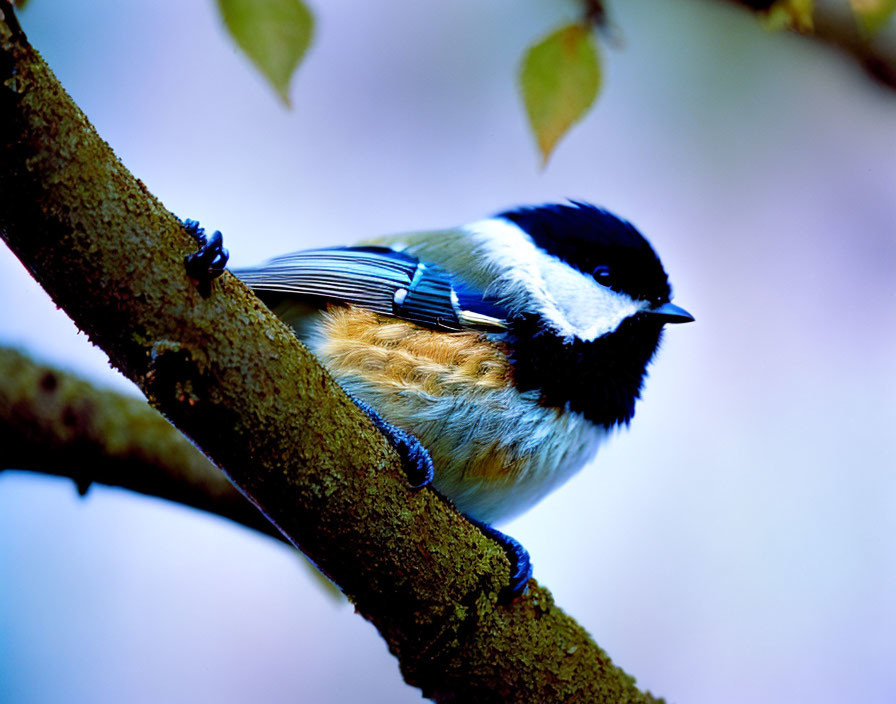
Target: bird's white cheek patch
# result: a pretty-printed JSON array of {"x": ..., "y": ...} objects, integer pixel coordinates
[
  {"x": 583, "y": 308},
  {"x": 605, "y": 315},
  {"x": 524, "y": 278}
]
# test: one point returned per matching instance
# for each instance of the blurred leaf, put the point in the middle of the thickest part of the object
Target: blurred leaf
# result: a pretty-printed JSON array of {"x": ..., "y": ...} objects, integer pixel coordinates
[
  {"x": 872, "y": 15},
  {"x": 559, "y": 78},
  {"x": 273, "y": 33},
  {"x": 789, "y": 14},
  {"x": 20, "y": 4}
]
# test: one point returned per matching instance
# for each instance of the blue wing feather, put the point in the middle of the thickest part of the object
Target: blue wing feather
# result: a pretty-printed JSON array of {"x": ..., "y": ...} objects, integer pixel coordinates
[{"x": 378, "y": 278}]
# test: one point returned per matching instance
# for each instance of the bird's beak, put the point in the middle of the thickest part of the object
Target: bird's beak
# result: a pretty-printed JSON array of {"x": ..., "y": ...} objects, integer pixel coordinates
[{"x": 671, "y": 313}]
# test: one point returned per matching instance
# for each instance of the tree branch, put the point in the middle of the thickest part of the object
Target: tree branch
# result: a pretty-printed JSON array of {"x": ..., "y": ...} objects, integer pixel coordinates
[
  {"x": 835, "y": 24},
  {"x": 226, "y": 372},
  {"x": 55, "y": 423}
]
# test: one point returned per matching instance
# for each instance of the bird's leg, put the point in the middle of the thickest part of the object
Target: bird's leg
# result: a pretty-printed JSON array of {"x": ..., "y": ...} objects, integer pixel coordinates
[
  {"x": 520, "y": 563},
  {"x": 208, "y": 262},
  {"x": 419, "y": 471},
  {"x": 414, "y": 458}
]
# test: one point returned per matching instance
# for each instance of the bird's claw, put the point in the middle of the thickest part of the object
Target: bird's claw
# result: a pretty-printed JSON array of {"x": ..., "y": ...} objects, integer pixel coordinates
[
  {"x": 520, "y": 562},
  {"x": 419, "y": 471},
  {"x": 208, "y": 262},
  {"x": 414, "y": 457}
]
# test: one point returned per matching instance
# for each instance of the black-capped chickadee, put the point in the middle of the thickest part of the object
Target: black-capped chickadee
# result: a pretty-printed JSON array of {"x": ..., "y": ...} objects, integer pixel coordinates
[{"x": 510, "y": 347}]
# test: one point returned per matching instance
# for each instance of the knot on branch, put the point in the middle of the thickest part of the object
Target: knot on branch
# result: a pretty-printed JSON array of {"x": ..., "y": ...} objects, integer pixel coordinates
[{"x": 174, "y": 374}]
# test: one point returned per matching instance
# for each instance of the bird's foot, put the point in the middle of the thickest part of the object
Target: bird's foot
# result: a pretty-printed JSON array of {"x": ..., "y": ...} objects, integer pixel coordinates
[
  {"x": 207, "y": 263},
  {"x": 520, "y": 563},
  {"x": 414, "y": 458}
]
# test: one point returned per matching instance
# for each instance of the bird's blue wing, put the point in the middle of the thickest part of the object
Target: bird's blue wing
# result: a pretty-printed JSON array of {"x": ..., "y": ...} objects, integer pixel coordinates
[{"x": 380, "y": 279}]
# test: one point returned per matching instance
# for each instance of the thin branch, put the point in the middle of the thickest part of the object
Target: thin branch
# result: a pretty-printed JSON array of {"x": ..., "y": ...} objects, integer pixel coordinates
[
  {"x": 835, "y": 24},
  {"x": 55, "y": 423},
  {"x": 227, "y": 373}
]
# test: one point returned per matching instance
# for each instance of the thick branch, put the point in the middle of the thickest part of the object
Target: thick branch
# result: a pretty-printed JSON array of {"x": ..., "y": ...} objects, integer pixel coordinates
[
  {"x": 55, "y": 423},
  {"x": 234, "y": 379}
]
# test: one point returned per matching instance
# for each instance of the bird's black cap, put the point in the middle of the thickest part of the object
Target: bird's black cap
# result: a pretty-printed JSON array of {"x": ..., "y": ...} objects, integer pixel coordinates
[{"x": 588, "y": 237}]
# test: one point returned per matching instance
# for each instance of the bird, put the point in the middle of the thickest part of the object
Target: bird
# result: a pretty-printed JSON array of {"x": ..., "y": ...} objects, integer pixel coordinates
[{"x": 510, "y": 348}]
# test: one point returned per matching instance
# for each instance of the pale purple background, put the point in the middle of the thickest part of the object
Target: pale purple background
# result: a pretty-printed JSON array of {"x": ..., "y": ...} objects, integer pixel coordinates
[{"x": 737, "y": 544}]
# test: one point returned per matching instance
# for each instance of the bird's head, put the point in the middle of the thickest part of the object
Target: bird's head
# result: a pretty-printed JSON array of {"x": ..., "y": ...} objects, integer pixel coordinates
[{"x": 587, "y": 298}]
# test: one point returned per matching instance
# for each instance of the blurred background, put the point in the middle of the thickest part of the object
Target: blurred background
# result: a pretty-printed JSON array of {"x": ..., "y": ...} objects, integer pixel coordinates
[{"x": 736, "y": 544}]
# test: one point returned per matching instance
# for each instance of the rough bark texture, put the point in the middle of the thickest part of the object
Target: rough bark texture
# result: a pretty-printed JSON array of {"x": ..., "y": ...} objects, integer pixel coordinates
[
  {"x": 55, "y": 423},
  {"x": 235, "y": 380}
]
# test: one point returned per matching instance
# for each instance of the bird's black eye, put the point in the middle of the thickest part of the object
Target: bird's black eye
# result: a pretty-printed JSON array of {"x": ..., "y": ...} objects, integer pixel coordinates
[{"x": 603, "y": 275}]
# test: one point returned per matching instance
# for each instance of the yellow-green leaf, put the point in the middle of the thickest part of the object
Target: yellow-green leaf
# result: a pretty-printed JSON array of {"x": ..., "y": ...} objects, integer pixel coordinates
[
  {"x": 872, "y": 15},
  {"x": 789, "y": 14},
  {"x": 559, "y": 78},
  {"x": 273, "y": 33}
]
